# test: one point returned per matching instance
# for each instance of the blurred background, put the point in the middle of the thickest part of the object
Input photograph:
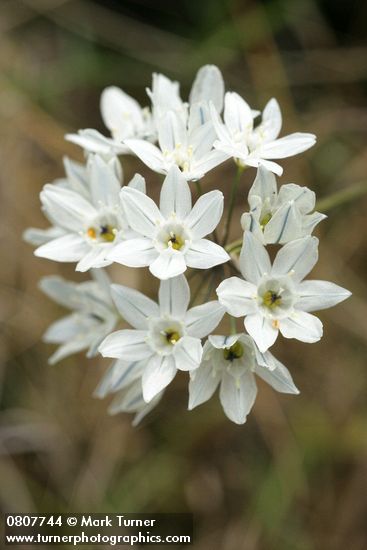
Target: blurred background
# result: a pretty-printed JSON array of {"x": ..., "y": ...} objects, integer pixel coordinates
[{"x": 294, "y": 476}]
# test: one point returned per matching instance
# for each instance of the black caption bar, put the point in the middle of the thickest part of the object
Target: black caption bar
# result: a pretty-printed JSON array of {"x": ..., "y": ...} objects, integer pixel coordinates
[{"x": 98, "y": 529}]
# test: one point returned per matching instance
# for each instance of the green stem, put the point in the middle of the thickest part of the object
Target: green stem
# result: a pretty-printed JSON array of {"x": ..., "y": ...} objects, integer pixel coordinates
[
  {"x": 232, "y": 199},
  {"x": 341, "y": 197},
  {"x": 199, "y": 189},
  {"x": 233, "y": 324},
  {"x": 234, "y": 245}
]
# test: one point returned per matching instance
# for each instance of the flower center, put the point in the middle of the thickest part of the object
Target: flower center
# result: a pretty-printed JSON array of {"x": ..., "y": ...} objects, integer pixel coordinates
[
  {"x": 175, "y": 241},
  {"x": 234, "y": 352},
  {"x": 164, "y": 333},
  {"x": 172, "y": 336},
  {"x": 105, "y": 233},
  {"x": 265, "y": 219},
  {"x": 172, "y": 235},
  {"x": 271, "y": 299}
]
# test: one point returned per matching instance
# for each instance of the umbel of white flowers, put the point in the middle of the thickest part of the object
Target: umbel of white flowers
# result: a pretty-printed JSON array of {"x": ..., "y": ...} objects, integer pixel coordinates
[{"x": 96, "y": 221}]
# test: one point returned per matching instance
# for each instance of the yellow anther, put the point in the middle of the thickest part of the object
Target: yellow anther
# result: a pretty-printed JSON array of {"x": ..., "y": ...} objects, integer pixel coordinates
[
  {"x": 271, "y": 299},
  {"x": 91, "y": 232},
  {"x": 234, "y": 352}
]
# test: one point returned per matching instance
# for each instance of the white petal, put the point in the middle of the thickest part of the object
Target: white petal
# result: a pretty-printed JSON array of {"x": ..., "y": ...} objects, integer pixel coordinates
[
  {"x": 171, "y": 131},
  {"x": 254, "y": 259},
  {"x": 220, "y": 129},
  {"x": 237, "y": 113},
  {"x": 95, "y": 142},
  {"x": 169, "y": 263},
  {"x": 138, "y": 183},
  {"x": 174, "y": 297},
  {"x": 120, "y": 375},
  {"x": 148, "y": 153},
  {"x": 303, "y": 197},
  {"x": 104, "y": 185},
  {"x": 238, "y": 395},
  {"x": 204, "y": 254},
  {"x": 208, "y": 162},
  {"x": 61, "y": 291},
  {"x": 175, "y": 194},
  {"x": 201, "y": 139},
  {"x": 310, "y": 221},
  {"x": 250, "y": 223},
  {"x": 71, "y": 347},
  {"x": 316, "y": 295},
  {"x": 238, "y": 297},
  {"x": 203, "y": 383},
  {"x": 37, "y": 237},
  {"x": 62, "y": 330},
  {"x": 129, "y": 345},
  {"x": 302, "y": 326},
  {"x": 261, "y": 330},
  {"x": 159, "y": 372},
  {"x": 135, "y": 307},
  {"x": 133, "y": 252},
  {"x": 141, "y": 211},
  {"x": 201, "y": 320},
  {"x": 221, "y": 342},
  {"x": 187, "y": 353},
  {"x": 77, "y": 176},
  {"x": 148, "y": 407},
  {"x": 95, "y": 257},
  {"x": 269, "y": 165},
  {"x": 271, "y": 120},
  {"x": 265, "y": 185},
  {"x": 297, "y": 257},
  {"x": 69, "y": 248},
  {"x": 165, "y": 95},
  {"x": 279, "y": 377},
  {"x": 120, "y": 112},
  {"x": 70, "y": 209},
  {"x": 288, "y": 146},
  {"x": 208, "y": 86},
  {"x": 128, "y": 400},
  {"x": 284, "y": 226},
  {"x": 206, "y": 214}
]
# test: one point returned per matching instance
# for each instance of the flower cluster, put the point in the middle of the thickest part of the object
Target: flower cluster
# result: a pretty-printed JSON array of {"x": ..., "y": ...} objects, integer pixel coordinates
[{"x": 96, "y": 220}]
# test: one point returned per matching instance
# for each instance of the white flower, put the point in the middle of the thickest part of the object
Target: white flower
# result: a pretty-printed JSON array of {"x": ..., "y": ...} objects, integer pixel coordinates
[
  {"x": 92, "y": 223},
  {"x": 251, "y": 146},
  {"x": 93, "y": 314},
  {"x": 277, "y": 218},
  {"x": 166, "y": 337},
  {"x": 185, "y": 132},
  {"x": 232, "y": 362},
  {"x": 208, "y": 87},
  {"x": 128, "y": 391},
  {"x": 165, "y": 96},
  {"x": 76, "y": 180},
  {"x": 126, "y": 119},
  {"x": 171, "y": 238},
  {"x": 186, "y": 143},
  {"x": 273, "y": 298}
]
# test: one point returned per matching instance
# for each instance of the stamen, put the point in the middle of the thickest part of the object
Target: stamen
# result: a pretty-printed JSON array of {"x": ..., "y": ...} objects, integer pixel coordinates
[
  {"x": 107, "y": 233},
  {"x": 175, "y": 241},
  {"x": 265, "y": 220},
  {"x": 271, "y": 299},
  {"x": 172, "y": 336},
  {"x": 234, "y": 352}
]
